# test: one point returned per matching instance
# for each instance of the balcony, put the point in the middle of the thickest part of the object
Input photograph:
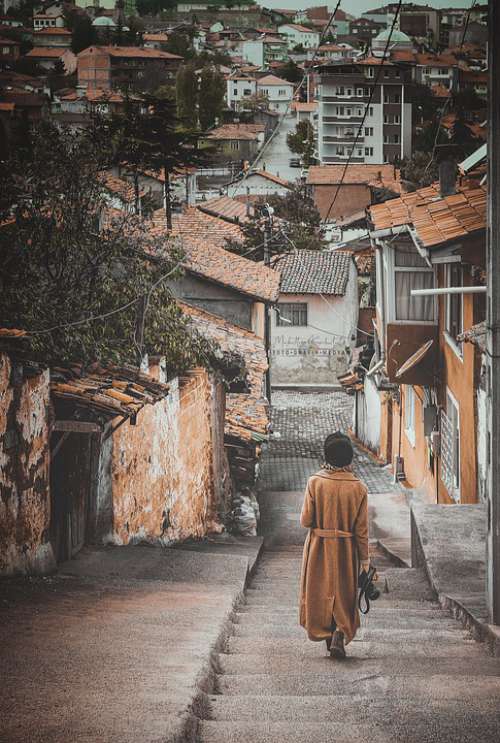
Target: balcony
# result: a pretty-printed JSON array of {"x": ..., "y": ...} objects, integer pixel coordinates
[
  {"x": 339, "y": 119},
  {"x": 338, "y": 159},
  {"x": 343, "y": 139}
]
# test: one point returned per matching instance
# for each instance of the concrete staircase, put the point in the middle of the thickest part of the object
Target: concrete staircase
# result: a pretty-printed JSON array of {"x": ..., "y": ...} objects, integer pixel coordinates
[{"x": 412, "y": 673}]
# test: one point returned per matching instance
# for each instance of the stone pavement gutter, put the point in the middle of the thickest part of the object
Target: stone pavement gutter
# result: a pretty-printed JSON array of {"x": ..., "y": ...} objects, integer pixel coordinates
[
  {"x": 449, "y": 542},
  {"x": 122, "y": 644}
]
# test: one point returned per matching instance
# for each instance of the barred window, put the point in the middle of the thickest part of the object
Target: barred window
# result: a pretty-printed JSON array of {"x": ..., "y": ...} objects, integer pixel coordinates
[{"x": 292, "y": 313}]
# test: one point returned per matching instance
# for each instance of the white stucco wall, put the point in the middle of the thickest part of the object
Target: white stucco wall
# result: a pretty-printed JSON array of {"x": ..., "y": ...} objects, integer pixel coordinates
[
  {"x": 318, "y": 353},
  {"x": 368, "y": 412}
]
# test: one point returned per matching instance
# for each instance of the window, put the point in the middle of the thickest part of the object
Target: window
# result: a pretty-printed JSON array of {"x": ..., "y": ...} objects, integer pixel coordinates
[
  {"x": 340, "y": 149},
  {"x": 368, "y": 131},
  {"x": 450, "y": 446},
  {"x": 340, "y": 110},
  {"x": 396, "y": 139},
  {"x": 386, "y": 139},
  {"x": 370, "y": 72},
  {"x": 386, "y": 119},
  {"x": 235, "y": 91},
  {"x": 367, "y": 91},
  {"x": 292, "y": 313},
  {"x": 397, "y": 98},
  {"x": 397, "y": 119},
  {"x": 412, "y": 272},
  {"x": 235, "y": 145},
  {"x": 340, "y": 90},
  {"x": 349, "y": 92},
  {"x": 282, "y": 92},
  {"x": 348, "y": 112},
  {"x": 410, "y": 414},
  {"x": 359, "y": 92},
  {"x": 360, "y": 152},
  {"x": 454, "y": 305},
  {"x": 359, "y": 112},
  {"x": 368, "y": 151},
  {"x": 387, "y": 73}
]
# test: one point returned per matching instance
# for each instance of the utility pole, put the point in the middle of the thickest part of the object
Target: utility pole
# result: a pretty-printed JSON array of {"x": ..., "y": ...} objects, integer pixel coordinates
[
  {"x": 493, "y": 319},
  {"x": 267, "y": 308}
]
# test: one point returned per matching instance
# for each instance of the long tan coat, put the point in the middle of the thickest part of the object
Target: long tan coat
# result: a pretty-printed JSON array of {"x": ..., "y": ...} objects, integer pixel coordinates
[{"x": 336, "y": 512}]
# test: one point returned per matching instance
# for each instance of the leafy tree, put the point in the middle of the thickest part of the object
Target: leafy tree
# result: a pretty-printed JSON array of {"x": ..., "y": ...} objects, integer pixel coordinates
[
  {"x": 72, "y": 273},
  {"x": 468, "y": 100},
  {"x": 180, "y": 43},
  {"x": 419, "y": 170},
  {"x": 257, "y": 102},
  {"x": 424, "y": 104},
  {"x": 84, "y": 34},
  {"x": 186, "y": 90},
  {"x": 291, "y": 72},
  {"x": 301, "y": 141},
  {"x": 295, "y": 224},
  {"x": 299, "y": 48},
  {"x": 154, "y": 7},
  {"x": 211, "y": 96}
]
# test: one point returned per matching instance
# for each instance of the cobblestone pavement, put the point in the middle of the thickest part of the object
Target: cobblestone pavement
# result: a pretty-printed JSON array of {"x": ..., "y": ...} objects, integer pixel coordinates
[{"x": 301, "y": 421}]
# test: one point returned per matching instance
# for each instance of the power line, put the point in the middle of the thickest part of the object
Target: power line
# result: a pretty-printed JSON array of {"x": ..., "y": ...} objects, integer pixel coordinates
[
  {"x": 370, "y": 99},
  {"x": 295, "y": 92}
]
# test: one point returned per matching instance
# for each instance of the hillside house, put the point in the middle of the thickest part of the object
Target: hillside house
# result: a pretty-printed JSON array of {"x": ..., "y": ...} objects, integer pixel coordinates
[
  {"x": 110, "y": 67},
  {"x": 278, "y": 92},
  {"x": 313, "y": 328}
]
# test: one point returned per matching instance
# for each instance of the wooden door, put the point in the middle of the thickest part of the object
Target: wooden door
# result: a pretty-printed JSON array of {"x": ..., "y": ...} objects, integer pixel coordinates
[{"x": 70, "y": 493}]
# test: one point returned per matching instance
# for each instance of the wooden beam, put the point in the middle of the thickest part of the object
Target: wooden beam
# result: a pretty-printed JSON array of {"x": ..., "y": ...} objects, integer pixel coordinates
[{"x": 70, "y": 426}]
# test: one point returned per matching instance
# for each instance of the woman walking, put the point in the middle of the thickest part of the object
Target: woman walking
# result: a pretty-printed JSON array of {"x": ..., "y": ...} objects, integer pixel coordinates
[{"x": 335, "y": 511}]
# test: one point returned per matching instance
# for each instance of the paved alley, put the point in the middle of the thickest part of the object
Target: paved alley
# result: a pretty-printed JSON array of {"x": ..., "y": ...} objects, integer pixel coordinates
[{"x": 412, "y": 674}]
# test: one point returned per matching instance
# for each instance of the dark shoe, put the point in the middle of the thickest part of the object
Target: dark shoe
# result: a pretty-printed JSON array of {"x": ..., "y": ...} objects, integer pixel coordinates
[
  {"x": 328, "y": 643},
  {"x": 337, "y": 649}
]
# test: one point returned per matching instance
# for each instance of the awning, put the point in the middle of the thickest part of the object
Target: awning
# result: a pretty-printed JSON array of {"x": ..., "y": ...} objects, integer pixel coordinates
[{"x": 414, "y": 359}]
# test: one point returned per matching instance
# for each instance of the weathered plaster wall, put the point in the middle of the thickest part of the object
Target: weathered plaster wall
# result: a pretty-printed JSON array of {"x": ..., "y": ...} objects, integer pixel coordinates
[
  {"x": 158, "y": 476},
  {"x": 24, "y": 471},
  {"x": 317, "y": 353},
  {"x": 368, "y": 413}
]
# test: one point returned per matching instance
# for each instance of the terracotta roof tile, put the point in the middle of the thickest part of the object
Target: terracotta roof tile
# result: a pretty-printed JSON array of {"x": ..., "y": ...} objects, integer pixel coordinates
[
  {"x": 237, "y": 131},
  {"x": 434, "y": 219},
  {"x": 130, "y": 52},
  {"x": 226, "y": 208},
  {"x": 46, "y": 51},
  {"x": 202, "y": 238},
  {"x": 314, "y": 272},
  {"x": 272, "y": 177},
  {"x": 273, "y": 80},
  {"x": 108, "y": 391},
  {"x": 374, "y": 175}
]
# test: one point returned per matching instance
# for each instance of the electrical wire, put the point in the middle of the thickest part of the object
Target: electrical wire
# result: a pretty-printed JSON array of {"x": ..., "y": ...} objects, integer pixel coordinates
[
  {"x": 294, "y": 94},
  {"x": 367, "y": 108}
]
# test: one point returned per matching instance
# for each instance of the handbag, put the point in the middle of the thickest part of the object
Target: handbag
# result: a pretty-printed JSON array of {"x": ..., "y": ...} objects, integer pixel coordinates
[{"x": 367, "y": 591}]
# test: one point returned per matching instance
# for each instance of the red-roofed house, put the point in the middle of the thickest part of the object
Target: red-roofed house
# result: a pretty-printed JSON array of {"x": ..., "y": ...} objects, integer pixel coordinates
[
  {"x": 47, "y": 57},
  {"x": 298, "y": 35},
  {"x": 279, "y": 92},
  {"x": 108, "y": 67},
  {"x": 424, "y": 389}
]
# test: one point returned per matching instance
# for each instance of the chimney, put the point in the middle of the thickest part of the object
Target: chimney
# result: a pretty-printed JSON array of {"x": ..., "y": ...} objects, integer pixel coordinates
[{"x": 447, "y": 178}]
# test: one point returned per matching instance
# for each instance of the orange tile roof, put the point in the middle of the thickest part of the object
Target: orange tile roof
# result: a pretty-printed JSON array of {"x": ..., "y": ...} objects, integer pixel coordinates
[
  {"x": 441, "y": 91},
  {"x": 113, "y": 391},
  {"x": 436, "y": 220},
  {"x": 373, "y": 175},
  {"x": 273, "y": 80},
  {"x": 7, "y": 106},
  {"x": 272, "y": 177},
  {"x": 155, "y": 37},
  {"x": 129, "y": 52},
  {"x": 202, "y": 239},
  {"x": 46, "y": 51},
  {"x": 52, "y": 32},
  {"x": 300, "y": 106},
  {"x": 226, "y": 208},
  {"x": 237, "y": 131},
  {"x": 298, "y": 27}
]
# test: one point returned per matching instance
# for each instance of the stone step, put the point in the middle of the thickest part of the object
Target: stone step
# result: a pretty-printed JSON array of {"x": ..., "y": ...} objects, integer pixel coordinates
[
  {"x": 352, "y": 708},
  {"x": 379, "y": 613},
  {"x": 356, "y": 668},
  {"x": 451, "y": 632},
  {"x": 380, "y": 618},
  {"x": 286, "y": 732},
  {"x": 240, "y": 644},
  {"x": 335, "y": 683},
  {"x": 263, "y": 602},
  {"x": 297, "y": 650}
]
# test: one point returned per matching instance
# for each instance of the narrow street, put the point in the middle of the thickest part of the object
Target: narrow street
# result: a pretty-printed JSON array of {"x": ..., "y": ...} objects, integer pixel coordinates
[{"x": 412, "y": 673}]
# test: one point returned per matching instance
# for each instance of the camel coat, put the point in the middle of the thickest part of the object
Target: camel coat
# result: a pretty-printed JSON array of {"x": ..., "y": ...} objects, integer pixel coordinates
[{"x": 335, "y": 511}]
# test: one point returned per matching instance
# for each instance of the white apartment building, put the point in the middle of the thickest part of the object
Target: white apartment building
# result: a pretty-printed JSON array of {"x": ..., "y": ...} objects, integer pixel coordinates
[
  {"x": 343, "y": 91},
  {"x": 239, "y": 87},
  {"x": 297, "y": 34},
  {"x": 278, "y": 92}
]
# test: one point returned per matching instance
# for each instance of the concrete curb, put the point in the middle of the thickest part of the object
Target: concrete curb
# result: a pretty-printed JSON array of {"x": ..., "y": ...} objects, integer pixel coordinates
[
  {"x": 388, "y": 552},
  {"x": 199, "y": 707},
  {"x": 480, "y": 630}
]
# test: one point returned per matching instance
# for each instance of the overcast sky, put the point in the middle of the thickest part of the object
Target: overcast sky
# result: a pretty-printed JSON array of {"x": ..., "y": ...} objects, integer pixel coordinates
[{"x": 356, "y": 7}]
